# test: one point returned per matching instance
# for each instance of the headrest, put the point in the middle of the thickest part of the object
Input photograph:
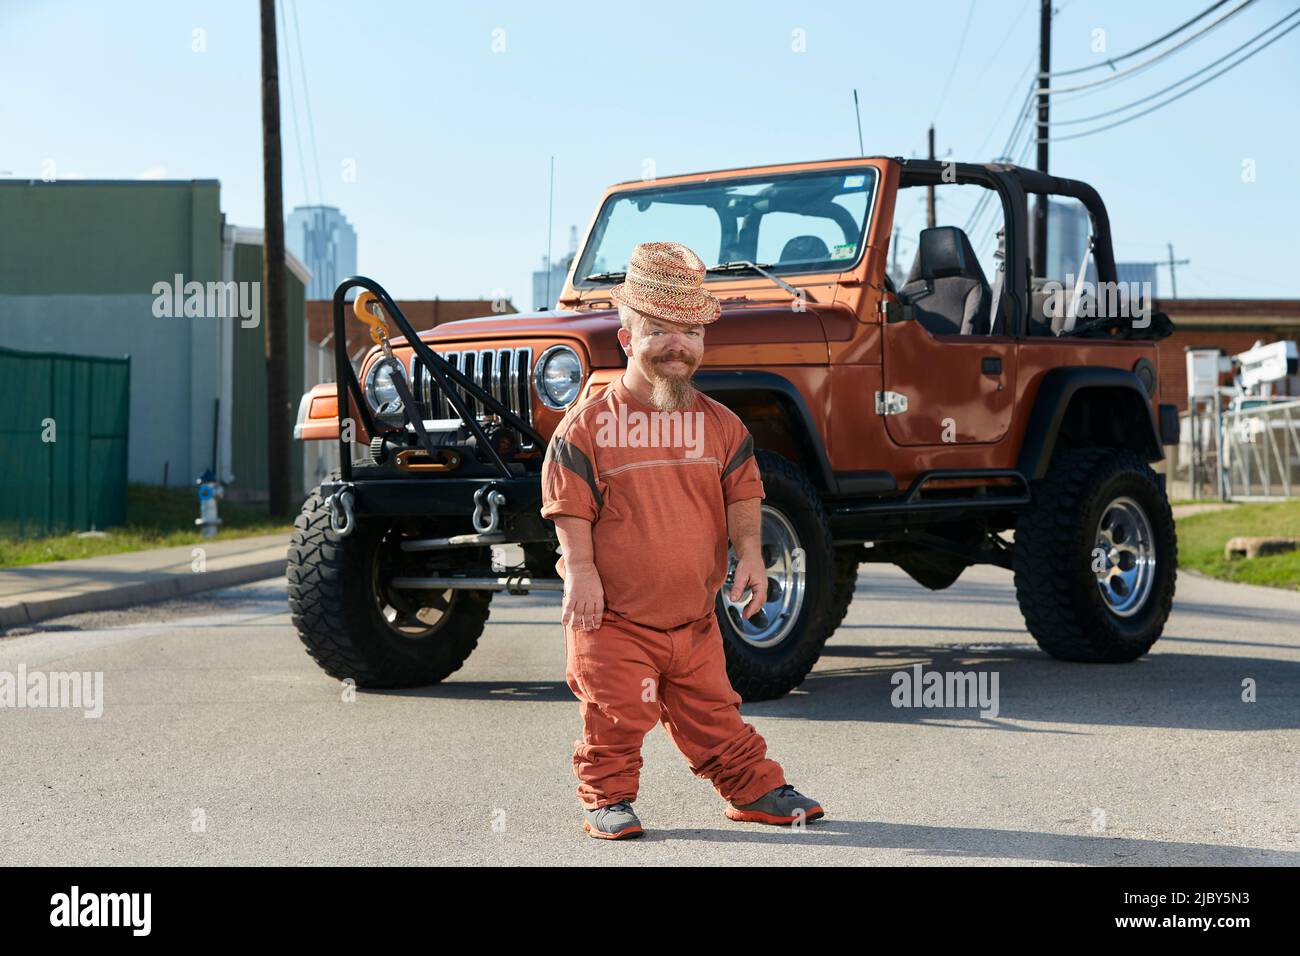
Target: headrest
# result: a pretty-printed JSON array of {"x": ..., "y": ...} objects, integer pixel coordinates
[
  {"x": 804, "y": 249},
  {"x": 945, "y": 251}
]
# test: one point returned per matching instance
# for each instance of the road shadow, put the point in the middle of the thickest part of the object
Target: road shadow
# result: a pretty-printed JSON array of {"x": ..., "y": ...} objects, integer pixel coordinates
[
  {"x": 1165, "y": 689},
  {"x": 975, "y": 843},
  {"x": 1192, "y": 679}
]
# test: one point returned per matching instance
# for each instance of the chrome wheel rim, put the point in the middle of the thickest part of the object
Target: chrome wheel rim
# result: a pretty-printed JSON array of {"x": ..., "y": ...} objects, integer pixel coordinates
[
  {"x": 408, "y": 614},
  {"x": 782, "y": 557},
  {"x": 1124, "y": 559}
]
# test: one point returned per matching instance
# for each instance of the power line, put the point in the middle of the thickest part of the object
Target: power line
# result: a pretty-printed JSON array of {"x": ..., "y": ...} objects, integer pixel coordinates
[
  {"x": 979, "y": 150},
  {"x": 1142, "y": 49},
  {"x": 984, "y": 205},
  {"x": 1006, "y": 152},
  {"x": 1121, "y": 74},
  {"x": 306, "y": 96},
  {"x": 1191, "y": 89},
  {"x": 1190, "y": 76},
  {"x": 1007, "y": 147},
  {"x": 1026, "y": 111},
  {"x": 1027, "y": 104},
  {"x": 989, "y": 230},
  {"x": 293, "y": 105},
  {"x": 990, "y": 203},
  {"x": 961, "y": 45}
]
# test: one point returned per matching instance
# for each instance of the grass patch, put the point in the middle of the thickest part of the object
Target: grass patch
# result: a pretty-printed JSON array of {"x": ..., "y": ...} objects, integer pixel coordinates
[
  {"x": 1201, "y": 539},
  {"x": 155, "y": 518}
]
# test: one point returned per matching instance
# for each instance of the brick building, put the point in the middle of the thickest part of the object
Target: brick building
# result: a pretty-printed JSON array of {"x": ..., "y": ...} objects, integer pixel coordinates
[
  {"x": 1230, "y": 325},
  {"x": 423, "y": 314}
]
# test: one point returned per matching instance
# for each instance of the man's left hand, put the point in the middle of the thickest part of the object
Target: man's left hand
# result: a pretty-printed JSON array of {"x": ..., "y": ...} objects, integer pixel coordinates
[{"x": 750, "y": 573}]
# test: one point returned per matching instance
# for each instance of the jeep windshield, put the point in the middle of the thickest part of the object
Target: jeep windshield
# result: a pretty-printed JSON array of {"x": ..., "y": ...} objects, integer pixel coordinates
[{"x": 792, "y": 223}]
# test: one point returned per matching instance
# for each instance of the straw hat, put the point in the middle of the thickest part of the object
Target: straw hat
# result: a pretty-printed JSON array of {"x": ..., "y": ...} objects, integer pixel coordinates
[{"x": 666, "y": 280}]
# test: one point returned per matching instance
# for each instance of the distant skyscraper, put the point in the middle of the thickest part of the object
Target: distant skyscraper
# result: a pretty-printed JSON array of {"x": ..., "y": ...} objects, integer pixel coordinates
[
  {"x": 322, "y": 239},
  {"x": 1068, "y": 228},
  {"x": 1139, "y": 272}
]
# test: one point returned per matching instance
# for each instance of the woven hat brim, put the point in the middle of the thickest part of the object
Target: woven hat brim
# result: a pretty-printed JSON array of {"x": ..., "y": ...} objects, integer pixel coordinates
[{"x": 704, "y": 310}]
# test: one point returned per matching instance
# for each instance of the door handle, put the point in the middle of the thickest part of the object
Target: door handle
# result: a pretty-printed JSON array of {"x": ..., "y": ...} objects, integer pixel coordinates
[{"x": 991, "y": 365}]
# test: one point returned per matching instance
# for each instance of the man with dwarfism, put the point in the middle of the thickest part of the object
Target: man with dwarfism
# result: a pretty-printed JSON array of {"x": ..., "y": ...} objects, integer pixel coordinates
[{"x": 645, "y": 480}]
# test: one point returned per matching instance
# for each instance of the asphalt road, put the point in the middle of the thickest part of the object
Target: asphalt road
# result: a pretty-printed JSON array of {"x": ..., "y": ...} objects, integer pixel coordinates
[{"x": 221, "y": 742}]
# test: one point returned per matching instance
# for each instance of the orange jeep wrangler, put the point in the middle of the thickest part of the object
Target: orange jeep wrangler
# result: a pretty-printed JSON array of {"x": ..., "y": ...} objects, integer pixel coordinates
[{"x": 910, "y": 422}]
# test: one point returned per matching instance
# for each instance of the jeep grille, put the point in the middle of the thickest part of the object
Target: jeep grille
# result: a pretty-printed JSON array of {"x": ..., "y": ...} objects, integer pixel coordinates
[{"x": 503, "y": 373}]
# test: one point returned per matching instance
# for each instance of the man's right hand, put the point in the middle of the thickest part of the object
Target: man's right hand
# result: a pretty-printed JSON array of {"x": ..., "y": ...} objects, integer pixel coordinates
[{"x": 584, "y": 597}]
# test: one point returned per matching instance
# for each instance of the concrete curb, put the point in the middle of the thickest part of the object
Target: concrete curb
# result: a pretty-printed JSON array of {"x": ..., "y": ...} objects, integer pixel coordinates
[{"x": 176, "y": 585}]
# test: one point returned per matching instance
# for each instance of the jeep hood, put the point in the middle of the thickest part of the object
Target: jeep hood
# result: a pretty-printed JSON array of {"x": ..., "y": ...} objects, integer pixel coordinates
[{"x": 751, "y": 323}]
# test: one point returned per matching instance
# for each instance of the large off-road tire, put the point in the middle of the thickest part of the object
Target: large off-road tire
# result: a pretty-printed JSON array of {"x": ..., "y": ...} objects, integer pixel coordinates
[
  {"x": 1096, "y": 557},
  {"x": 355, "y": 626},
  {"x": 845, "y": 583},
  {"x": 772, "y": 652}
]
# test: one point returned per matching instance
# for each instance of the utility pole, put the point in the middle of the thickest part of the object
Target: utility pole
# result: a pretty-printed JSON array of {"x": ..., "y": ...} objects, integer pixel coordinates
[
  {"x": 1173, "y": 275},
  {"x": 929, "y": 190},
  {"x": 275, "y": 310},
  {"x": 1044, "y": 70}
]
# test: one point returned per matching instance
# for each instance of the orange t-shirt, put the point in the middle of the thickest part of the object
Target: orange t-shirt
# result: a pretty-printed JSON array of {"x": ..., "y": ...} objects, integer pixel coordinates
[{"x": 655, "y": 487}]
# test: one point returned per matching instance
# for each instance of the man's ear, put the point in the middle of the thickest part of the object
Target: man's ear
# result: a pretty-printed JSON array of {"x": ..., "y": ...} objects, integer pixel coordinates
[{"x": 624, "y": 338}]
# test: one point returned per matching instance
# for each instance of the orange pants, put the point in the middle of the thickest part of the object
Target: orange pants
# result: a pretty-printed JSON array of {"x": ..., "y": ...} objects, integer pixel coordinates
[{"x": 628, "y": 677}]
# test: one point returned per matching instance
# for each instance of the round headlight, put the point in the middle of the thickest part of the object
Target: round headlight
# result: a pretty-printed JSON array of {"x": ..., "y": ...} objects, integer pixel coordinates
[
  {"x": 558, "y": 376},
  {"x": 379, "y": 384}
]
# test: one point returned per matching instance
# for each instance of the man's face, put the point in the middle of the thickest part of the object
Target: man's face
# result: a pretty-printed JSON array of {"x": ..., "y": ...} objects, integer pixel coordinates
[{"x": 667, "y": 353}]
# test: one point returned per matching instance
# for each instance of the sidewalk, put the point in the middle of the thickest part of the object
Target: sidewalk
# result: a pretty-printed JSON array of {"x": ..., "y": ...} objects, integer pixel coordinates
[
  {"x": 37, "y": 592},
  {"x": 1202, "y": 507}
]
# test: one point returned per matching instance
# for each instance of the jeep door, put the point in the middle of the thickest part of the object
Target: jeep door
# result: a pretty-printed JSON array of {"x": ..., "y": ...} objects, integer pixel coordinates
[{"x": 959, "y": 388}]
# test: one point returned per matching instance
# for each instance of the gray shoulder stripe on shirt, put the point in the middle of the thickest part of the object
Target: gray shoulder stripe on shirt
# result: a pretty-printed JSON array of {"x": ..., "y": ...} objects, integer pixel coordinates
[
  {"x": 575, "y": 459},
  {"x": 744, "y": 452}
]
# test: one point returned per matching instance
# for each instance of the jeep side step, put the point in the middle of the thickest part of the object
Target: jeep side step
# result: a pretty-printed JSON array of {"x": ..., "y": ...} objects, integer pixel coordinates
[{"x": 912, "y": 501}]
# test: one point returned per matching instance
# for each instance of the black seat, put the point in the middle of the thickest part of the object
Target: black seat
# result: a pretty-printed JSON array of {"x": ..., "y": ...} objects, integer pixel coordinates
[
  {"x": 804, "y": 249},
  {"x": 946, "y": 285}
]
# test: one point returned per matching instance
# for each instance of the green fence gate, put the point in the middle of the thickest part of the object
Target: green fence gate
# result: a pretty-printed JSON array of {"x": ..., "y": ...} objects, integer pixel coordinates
[{"x": 63, "y": 442}]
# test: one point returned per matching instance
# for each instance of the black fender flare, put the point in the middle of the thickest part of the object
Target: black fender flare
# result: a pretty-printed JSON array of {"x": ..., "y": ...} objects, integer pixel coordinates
[
  {"x": 720, "y": 381},
  {"x": 1052, "y": 401}
]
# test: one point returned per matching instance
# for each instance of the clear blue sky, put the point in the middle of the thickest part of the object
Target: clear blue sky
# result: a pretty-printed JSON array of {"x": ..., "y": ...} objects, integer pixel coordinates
[{"x": 451, "y": 140}]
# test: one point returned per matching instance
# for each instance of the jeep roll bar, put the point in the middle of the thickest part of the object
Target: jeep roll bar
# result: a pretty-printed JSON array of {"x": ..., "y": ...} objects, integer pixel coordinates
[
  {"x": 440, "y": 371},
  {"x": 1013, "y": 184}
]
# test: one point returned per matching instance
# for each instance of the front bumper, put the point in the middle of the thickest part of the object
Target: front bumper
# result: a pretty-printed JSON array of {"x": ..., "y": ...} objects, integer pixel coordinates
[{"x": 430, "y": 497}]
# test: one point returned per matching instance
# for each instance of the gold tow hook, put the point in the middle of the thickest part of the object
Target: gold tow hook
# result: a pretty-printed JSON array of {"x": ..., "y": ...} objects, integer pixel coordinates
[{"x": 368, "y": 310}]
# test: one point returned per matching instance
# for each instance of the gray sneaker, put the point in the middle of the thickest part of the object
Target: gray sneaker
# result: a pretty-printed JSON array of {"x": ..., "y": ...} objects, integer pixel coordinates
[
  {"x": 781, "y": 806},
  {"x": 614, "y": 821}
]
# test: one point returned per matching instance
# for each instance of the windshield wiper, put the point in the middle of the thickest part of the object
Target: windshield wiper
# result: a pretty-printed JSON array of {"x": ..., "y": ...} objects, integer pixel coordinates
[
  {"x": 744, "y": 265},
  {"x": 601, "y": 276}
]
